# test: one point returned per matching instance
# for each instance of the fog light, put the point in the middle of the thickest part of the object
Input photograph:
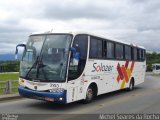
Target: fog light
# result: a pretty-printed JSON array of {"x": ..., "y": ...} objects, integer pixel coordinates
[
  {"x": 60, "y": 98},
  {"x": 21, "y": 82}
]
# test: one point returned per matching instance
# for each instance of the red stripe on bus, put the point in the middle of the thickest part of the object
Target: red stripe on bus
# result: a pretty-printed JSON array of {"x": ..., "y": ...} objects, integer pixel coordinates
[
  {"x": 125, "y": 73},
  {"x": 120, "y": 71},
  {"x": 126, "y": 64},
  {"x": 118, "y": 78}
]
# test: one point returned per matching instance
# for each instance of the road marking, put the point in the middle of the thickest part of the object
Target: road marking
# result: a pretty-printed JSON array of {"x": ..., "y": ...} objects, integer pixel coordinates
[
  {"x": 106, "y": 104},
  {"x": 86, "y": 111}
]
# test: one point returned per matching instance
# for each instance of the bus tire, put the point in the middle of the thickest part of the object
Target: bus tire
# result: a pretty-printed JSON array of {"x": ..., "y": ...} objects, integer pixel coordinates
[
  {"x": 131, "y": 85},
  {"x": 89, "y": 95}
]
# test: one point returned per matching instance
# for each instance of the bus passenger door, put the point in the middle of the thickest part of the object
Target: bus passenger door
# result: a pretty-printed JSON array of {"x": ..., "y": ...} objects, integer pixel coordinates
[{"x": 77, "y": 64}]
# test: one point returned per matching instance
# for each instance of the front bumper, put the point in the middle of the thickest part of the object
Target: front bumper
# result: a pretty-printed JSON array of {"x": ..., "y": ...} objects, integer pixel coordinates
[{"x": 56, "y": 97}]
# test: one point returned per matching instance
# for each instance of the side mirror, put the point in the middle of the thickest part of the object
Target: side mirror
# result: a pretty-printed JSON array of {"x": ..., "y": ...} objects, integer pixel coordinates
[{"x": 16, "y": 52}]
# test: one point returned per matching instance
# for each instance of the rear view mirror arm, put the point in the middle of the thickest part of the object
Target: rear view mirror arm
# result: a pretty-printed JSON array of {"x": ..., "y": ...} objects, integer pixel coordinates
[{"x": 19, "y": 45}]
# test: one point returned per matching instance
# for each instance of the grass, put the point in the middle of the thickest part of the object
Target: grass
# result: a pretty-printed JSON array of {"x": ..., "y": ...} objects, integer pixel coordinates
[
  {"x": 9, "y": 76},
  {"x": 156, "y": 75},
  {"x": 6, "y": 77}
]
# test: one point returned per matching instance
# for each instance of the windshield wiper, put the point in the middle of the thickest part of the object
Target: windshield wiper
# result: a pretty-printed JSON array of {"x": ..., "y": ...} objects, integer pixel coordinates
[
  {"x": 34, "y": 65},
  {"x": 41, "y": 65}
]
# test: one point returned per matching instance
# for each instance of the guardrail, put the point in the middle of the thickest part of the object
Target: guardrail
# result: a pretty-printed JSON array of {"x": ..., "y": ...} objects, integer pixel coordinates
[{"x": 8, "y": 87}]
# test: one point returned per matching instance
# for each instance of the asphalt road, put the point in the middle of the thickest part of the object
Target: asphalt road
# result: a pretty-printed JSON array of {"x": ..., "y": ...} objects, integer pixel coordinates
[{"x": 145, "y": 98}]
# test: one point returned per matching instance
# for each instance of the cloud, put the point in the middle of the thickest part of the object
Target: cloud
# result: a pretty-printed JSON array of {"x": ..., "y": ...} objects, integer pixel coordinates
[
  {"x": 73, "y": 11},
  {"x": 135, "y": 21}
]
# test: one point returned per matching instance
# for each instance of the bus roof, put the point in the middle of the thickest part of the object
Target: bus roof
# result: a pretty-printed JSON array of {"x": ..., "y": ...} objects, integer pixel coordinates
[{"x": 91, "y": 34}]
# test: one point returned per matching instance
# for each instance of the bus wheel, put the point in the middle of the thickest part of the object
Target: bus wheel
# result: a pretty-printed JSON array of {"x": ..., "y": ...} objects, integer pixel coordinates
[
  {"x": 89, "y": 95},
  {"x": 131, "y": 85}
]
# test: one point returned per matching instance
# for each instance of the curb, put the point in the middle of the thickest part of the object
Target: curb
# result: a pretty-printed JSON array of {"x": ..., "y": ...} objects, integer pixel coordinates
[{"x": 9, "y": 97}]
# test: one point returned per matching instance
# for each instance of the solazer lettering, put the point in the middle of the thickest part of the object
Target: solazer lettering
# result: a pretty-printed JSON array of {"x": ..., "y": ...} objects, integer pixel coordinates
[{"x": 101, "y": 67}]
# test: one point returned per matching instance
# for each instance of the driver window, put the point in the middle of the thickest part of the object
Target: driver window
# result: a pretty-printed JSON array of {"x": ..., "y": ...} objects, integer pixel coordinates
[
  {"x": 80, "y": 46},
  {"x": 28, "y": 55}
]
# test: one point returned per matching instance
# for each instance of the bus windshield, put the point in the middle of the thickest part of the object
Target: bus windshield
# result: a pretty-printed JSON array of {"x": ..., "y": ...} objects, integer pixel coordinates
[{"x": 45, "y": 57}]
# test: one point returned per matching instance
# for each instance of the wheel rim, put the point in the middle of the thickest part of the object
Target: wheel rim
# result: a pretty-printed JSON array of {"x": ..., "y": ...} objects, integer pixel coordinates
[{"x": 89, "y": 94}]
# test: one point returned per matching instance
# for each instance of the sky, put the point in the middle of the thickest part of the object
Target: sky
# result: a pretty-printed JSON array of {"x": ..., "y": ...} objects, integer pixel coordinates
[{"x": 134, "y": 21}]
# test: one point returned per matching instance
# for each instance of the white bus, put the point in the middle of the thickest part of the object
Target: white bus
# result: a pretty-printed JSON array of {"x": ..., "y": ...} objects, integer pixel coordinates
[
  {"x": 156, "y": 68},
  {"x": 67, "y": 67}
]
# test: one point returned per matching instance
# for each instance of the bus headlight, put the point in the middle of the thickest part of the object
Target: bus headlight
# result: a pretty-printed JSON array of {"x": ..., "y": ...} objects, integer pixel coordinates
[
  {"x": 57, "y": 90},
  {"x": 21, "y": 82}
]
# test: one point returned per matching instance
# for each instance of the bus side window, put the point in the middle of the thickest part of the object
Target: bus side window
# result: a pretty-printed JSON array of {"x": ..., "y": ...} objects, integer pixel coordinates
[
  {"x": 119, "y": 51},
  {"x": 143, "y": 54},
  {"x": 157, "y": 67},
  {"x": 135, "y": 54},
  {"x": 139, "y": 54},
  {"x": 95, "y": 48},
  {"x": 110, "y": 50},
  {"x": 127, "y": 52}
]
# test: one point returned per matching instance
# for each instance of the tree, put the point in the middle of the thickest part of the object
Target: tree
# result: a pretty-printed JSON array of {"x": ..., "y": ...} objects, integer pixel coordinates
[
  {"x": 10, "y": 66},
  {"x": 152, "y": 58}
]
